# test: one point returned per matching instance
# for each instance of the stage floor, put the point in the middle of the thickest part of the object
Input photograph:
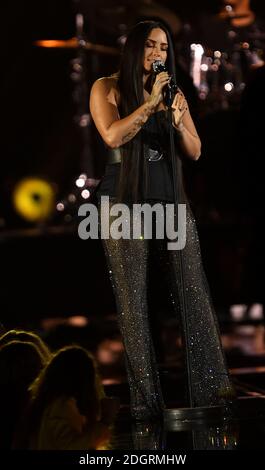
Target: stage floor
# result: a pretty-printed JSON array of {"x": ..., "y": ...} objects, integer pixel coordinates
[{"x": 242, "y": 428}]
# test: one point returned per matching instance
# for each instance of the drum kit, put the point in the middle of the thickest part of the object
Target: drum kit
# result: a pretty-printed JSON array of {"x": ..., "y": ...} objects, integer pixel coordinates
[
  {"x": 220, "y": 76},
  {"x": 75, "y": 43},
  {"x": 111, "y": 21},
  {"x": 82, "y": 73}
]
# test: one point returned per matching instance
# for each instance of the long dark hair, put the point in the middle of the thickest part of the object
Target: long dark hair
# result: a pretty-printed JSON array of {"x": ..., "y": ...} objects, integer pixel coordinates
[
  {"x": 130, "y": 84},
  {"x": 70, "y": 373}
]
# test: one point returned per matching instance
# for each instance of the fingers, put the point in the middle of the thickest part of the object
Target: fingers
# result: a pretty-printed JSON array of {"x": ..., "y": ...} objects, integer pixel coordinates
[
  {"x": 179, "y": 107},
  {"x": 180, "y": 104},
  {"x": 181, "y": 113},
  {"x": 179, "y": 101},
  {"x": 162, "y": 75},
  {"x": 161, "y": 80}
]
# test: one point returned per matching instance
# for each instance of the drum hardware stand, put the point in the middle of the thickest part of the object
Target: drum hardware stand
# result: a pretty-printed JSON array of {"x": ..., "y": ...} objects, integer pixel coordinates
[
  {"x": 85, "y": 183},
  {"x": 81, "y": 98}
]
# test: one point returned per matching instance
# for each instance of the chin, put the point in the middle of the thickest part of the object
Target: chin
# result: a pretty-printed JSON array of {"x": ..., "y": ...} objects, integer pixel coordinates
[{"x": 147, "y": 71}]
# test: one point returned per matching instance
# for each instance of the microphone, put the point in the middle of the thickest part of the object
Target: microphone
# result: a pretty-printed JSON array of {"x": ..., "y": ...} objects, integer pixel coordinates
[
  {"x": 158, "y": 66},
  {"x": 171, "y": 88}
]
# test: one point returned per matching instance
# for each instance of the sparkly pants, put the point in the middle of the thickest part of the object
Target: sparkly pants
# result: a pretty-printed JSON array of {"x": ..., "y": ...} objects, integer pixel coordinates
[{"x": 128, "y": 260}]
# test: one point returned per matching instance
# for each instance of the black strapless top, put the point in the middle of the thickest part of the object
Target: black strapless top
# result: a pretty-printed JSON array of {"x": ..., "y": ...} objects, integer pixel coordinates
[{"x": 155, "y": 139}]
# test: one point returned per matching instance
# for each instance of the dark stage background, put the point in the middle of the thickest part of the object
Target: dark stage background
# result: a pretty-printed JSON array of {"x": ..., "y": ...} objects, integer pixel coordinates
[{"x": 46, "y": 270}]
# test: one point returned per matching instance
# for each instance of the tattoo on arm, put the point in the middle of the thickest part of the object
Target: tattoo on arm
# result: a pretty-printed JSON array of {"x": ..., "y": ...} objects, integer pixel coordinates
[{"x": 137, "y": 124}]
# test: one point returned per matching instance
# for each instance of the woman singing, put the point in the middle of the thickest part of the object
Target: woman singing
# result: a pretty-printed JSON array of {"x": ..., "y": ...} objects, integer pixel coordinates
[{"x": 130, "y": 112}]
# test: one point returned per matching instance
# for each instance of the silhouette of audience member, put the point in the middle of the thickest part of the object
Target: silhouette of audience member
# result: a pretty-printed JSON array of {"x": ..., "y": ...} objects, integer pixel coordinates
[
  {"x": 20, "y": 364},
  {"x": 65, "y": 411},
  {"x": 28, "y": 336}
]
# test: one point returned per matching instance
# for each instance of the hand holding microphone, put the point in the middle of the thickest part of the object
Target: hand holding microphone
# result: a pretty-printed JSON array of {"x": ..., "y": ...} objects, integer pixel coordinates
[
  {"x": 161, "y": 80},
  {"x": 170, "y": 89},
  {"x": 179, "y": 105}
]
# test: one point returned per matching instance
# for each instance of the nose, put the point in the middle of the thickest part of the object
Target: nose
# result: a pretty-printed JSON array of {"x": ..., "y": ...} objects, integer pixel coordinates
[{"x": 157, "y": 55}]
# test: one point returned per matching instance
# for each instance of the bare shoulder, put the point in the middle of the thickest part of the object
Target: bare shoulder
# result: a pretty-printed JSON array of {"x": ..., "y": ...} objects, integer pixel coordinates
[{"x": 107, "y": 87}]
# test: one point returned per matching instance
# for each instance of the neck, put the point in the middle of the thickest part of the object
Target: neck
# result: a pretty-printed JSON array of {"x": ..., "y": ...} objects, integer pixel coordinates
[{"x": 145, "y": 77}]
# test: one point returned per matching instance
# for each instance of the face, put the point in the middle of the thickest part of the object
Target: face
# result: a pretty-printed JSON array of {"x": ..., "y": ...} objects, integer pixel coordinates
[{"x": 156, "y": 47}]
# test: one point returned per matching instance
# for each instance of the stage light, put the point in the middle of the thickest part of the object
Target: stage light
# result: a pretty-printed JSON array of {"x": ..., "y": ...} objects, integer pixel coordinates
[{"x": 34, "y": 199}]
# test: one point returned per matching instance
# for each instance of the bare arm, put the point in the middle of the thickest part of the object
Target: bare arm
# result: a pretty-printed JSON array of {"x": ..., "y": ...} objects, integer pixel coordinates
[
  {"x": 184, "y": 124},
  {"x": 104, "y": 110}
]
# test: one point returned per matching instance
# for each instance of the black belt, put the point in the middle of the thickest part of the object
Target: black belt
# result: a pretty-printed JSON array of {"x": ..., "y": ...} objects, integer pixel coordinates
[{"x": 114, "y": 155}]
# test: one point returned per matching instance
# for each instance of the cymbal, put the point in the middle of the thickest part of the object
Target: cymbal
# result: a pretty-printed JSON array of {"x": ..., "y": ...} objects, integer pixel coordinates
[
  {"x": 232, "y": 16},
  {"x": 74, "y": 43}
]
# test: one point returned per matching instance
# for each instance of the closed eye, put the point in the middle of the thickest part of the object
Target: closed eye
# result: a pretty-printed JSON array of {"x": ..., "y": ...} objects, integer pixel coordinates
[{"x": 163, "y": 47}]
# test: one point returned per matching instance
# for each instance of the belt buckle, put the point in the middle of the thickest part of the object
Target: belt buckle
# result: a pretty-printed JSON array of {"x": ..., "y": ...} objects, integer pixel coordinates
[{"x": 154, "y": 155}]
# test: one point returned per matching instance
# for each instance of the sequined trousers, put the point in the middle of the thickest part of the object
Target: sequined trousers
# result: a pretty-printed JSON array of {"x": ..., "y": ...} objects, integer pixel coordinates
[{"x": 127, "y": 261}]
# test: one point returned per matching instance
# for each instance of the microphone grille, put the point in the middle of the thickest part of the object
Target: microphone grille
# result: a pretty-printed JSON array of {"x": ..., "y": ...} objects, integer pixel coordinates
[{"x": 158, "y": 66}]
